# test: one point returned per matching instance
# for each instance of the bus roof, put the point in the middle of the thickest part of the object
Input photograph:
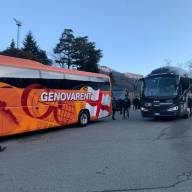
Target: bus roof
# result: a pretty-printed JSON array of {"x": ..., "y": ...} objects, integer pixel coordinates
[
  {"x": 26, "y": 63},
  {"x": 169, "y": 70}
]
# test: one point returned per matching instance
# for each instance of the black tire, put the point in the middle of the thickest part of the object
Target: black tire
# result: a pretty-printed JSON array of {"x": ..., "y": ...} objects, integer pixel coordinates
[{"x": 83, "y": 119}]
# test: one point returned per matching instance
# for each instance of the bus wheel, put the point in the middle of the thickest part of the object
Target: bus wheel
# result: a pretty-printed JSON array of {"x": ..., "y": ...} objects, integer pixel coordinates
[{"x": 83, "y": 118}]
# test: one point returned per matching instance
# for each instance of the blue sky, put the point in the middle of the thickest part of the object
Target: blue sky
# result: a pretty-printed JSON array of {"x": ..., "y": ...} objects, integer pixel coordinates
[{"x": 135, "y": 35}]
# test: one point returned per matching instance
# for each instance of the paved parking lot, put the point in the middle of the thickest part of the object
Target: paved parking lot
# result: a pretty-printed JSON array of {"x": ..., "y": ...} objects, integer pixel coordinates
[{"x": 133, "y": 154}]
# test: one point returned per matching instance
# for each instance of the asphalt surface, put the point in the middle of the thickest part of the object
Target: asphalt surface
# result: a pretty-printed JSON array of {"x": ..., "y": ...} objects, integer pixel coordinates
[{"x": 133, "y": 154}]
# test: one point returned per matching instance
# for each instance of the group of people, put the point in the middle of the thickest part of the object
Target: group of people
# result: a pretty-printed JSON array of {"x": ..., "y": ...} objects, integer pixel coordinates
[{"x": 123, "y": 106}]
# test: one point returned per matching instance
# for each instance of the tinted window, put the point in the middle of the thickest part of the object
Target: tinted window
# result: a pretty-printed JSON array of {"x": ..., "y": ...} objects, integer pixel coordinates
[{"x": 161, "y": 86}]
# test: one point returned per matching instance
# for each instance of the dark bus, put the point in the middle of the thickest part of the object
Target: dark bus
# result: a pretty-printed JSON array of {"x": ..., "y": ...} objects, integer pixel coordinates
[{"x": 166, "y": 92}]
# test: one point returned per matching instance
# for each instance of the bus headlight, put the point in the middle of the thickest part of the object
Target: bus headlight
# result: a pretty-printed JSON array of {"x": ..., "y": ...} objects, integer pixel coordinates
[
  {"x": 173, "y": 108},
  {"x": 143, "y": 109}
]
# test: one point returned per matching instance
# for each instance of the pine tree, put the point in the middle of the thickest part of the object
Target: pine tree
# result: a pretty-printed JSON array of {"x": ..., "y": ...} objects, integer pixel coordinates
[
  {"x": 77, "y": 52},
  {"x": 86, "y": 55},
  {"x": 42, "y": 57},
  {"x": 64, "y": 49},
  {"x": 30, "y": 45},
  {"x": 12, "y": 45},
  {"x": 30, "y": 50},
  {"x": 12, "y": 51}
]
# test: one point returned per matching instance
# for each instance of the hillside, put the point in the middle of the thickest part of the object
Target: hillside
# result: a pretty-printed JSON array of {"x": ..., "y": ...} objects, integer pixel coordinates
[
  {"x": 120, "y": 81},
  {"x": 123, "y": 81}
]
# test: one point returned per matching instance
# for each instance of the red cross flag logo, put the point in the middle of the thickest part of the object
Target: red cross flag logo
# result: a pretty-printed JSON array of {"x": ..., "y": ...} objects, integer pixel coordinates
[{"x": 99, "y": 105}]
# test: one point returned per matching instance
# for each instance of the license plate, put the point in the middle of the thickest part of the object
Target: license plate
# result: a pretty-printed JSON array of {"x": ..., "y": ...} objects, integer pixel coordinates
[{"x": 157, "y": 114}]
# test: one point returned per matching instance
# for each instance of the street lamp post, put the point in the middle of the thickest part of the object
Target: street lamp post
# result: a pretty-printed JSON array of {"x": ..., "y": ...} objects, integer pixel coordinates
[{"x": 19, "y": 24}]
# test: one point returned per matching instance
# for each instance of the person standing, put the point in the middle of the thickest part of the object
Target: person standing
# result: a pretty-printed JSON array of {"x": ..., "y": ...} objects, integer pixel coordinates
[
  {"x": 114, "y": 107},
  {"x": 137, "y": 103},
  {"x": 126, "y": 107},
  {"x": 134, "y": 104},
  {"x": 120, "y": 105}
]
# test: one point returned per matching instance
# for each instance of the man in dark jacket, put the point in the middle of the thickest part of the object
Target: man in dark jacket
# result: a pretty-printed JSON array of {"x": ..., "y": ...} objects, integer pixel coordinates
[
  {"x": 126, "y": 107},
  {"x": 134, "y": 104},
  {"x": 120, "y": 105},
  {"x": 114, "y": 107}
]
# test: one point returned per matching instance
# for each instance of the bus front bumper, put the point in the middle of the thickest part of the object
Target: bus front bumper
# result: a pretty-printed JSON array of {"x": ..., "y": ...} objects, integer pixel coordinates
[{"x": 159, "y": 113}]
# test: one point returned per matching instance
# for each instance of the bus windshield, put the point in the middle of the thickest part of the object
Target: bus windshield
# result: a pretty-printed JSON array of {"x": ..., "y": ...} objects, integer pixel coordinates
[{"x": 161, "y": 86}]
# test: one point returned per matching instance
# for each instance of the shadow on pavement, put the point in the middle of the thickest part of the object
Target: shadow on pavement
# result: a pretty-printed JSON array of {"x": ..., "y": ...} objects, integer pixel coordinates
[{"x": 47, "y": 131}]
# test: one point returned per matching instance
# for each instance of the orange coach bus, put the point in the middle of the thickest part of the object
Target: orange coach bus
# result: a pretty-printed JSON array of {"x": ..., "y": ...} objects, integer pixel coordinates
[{"x": 34, "y": 96}]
